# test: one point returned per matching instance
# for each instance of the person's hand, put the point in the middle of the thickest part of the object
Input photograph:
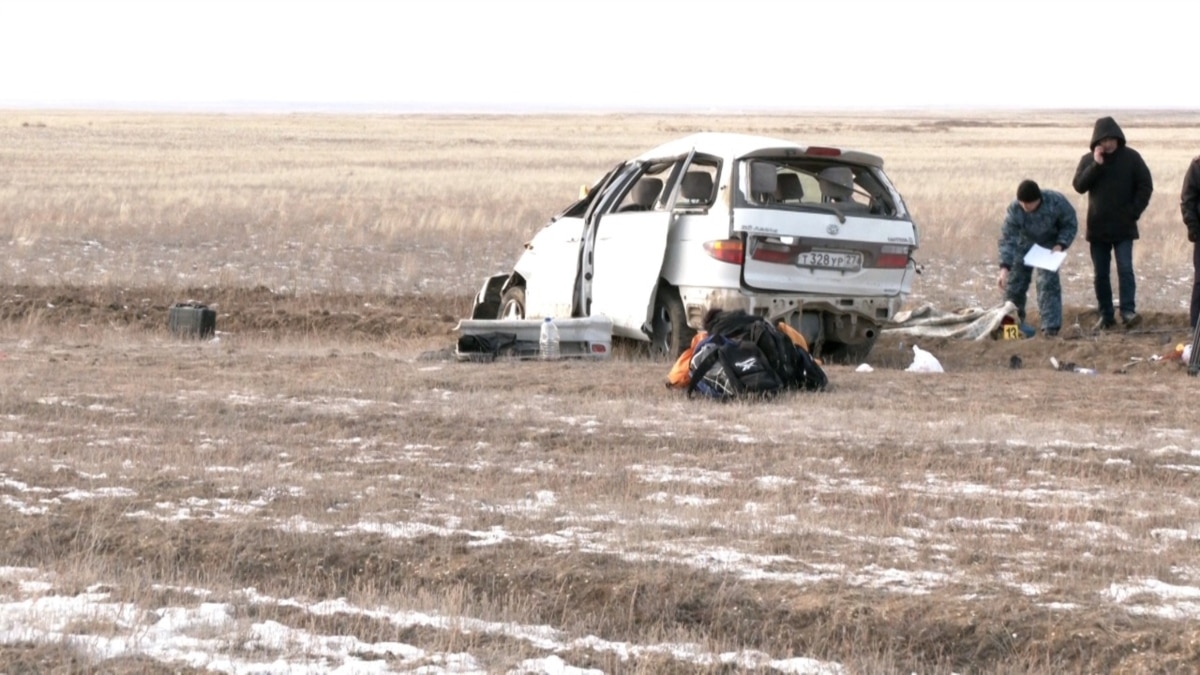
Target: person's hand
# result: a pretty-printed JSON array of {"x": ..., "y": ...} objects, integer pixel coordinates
[
  {"x": 1098, "y": 154},
  {"x": 1057, "y": 248},
  {"x": 1002, "y": 281}
]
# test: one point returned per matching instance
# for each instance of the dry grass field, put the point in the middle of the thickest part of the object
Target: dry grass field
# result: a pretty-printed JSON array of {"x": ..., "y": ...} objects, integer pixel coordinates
[{"x": 321, "y": 489}]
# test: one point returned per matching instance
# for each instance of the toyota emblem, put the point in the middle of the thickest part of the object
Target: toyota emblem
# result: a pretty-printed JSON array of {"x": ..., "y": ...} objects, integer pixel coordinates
[{"x": 832, "y": 229}]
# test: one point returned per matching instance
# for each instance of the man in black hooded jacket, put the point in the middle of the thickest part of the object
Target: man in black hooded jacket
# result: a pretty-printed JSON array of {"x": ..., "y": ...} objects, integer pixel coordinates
[
  {"x": 1118, "y": 185},
  {"x": 1189, "y": 204}
]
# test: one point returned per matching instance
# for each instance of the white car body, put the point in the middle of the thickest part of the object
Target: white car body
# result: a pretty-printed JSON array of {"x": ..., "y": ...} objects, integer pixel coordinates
[{"x": 721, "y": 226}]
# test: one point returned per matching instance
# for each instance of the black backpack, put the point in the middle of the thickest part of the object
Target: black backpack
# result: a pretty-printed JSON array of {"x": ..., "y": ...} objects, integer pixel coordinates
[
  {"x": 727, "y": 368},
  {"x": 744, "y": 355}
]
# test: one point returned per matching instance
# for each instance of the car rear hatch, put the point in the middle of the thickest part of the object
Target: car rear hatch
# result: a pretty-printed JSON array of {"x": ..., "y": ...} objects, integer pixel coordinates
[{"x": 812, "y": 225}]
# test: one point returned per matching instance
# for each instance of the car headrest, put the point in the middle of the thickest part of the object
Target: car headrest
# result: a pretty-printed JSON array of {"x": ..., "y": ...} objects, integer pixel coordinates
[
  {"x": 764, "y": 178},
  {"x": 697, "y": 186},
  {"x": 789, "y": 188},
  {"x": 837, "y": 182},
  {"x": 646, "y": 191}
]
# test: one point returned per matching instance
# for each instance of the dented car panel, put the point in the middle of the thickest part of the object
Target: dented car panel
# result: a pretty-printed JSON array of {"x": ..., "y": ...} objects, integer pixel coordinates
[
  {"x": 815, "y": 236},
  {"x": 551, "y": 256}
]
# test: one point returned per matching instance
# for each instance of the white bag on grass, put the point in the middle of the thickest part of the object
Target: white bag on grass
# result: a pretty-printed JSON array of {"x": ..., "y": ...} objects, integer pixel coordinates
[{"x": 924, "y": 362}]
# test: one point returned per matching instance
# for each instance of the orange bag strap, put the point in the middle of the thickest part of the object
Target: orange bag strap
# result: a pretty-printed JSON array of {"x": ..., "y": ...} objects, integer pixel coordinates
[
  {"x": 678, "y": 377},
  {"x": 793, "y": 335}
]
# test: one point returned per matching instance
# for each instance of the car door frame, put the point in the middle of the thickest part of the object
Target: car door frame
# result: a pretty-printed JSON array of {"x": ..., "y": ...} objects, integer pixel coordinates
[
  {"x": 608, "y": 189},
  {"x": 549, "y": 268},
  {"x": 647, "y": 240}
]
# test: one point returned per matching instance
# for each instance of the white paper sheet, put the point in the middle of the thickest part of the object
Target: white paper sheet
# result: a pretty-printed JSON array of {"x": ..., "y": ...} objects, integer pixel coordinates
[{"x": 1042, "y": 257}]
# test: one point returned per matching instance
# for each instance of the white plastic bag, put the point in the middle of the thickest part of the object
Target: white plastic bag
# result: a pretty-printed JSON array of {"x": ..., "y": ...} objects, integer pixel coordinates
[{"x": 924, "y": 362}]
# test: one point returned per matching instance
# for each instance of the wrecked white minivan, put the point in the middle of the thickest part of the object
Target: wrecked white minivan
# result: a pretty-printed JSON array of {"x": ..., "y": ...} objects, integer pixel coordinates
[{"x": 814, "y": 236}]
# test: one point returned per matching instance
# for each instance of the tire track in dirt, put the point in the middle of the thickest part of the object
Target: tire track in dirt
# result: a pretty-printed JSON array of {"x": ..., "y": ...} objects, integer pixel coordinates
[{"x": 239, "y": 310}]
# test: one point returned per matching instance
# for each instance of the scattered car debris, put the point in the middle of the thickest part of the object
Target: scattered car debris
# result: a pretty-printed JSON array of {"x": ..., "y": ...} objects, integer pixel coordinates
[
  {"x": 489, "y": 339},
  {"x": 1071, "y": 367}
]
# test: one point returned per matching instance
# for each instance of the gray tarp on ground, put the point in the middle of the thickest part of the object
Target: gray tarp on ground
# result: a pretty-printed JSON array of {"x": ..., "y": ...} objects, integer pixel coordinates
[{"x": 968, "y": 323}]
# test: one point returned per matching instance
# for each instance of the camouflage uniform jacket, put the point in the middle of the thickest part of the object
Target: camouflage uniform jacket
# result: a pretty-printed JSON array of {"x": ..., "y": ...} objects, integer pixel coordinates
[{"x": 1052, "y": 224}]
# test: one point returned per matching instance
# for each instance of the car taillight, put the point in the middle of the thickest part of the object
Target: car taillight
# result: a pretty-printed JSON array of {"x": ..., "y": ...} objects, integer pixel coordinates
[
  {"x": 891, "y": 260},
  {"x": 892, "y": 257},
  {"x": 774, "y": 253},
  {"x": 726, "y": 250}
]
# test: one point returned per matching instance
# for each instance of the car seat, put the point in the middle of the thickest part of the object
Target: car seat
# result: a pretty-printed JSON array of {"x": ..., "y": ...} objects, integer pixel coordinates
[
  {"x": 837, "y": 186},
  {"x": 788, "y": 188},
  {"x": 696, "y": 188},
  {"x": 764, "y": 181},
  {"x": 643, "y": 194},
  {"x": 837, "y": 183}
]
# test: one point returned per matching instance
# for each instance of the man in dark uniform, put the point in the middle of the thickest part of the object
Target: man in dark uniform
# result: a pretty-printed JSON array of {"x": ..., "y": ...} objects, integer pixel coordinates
[
  {"x": 1118, "y": 185},
  {"x": 1045, "y": 218}
]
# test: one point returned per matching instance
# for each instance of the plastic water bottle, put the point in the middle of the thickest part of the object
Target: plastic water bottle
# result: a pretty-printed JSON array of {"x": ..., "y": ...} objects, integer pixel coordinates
[{"x": 548, "y": 343}]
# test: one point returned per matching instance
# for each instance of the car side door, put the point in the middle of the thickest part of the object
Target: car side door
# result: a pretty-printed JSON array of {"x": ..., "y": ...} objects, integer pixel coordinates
[
  {"x": 607, "y": 192},
  {"x": 628, "y": 247}
]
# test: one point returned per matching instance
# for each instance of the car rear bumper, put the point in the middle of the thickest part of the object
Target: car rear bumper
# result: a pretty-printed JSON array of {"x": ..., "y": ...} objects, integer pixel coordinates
[{"x": 845, "y": 319}]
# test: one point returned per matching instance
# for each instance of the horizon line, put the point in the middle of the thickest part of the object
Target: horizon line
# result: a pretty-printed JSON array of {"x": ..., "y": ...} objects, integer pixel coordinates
[{"x": 285, "y": 107}]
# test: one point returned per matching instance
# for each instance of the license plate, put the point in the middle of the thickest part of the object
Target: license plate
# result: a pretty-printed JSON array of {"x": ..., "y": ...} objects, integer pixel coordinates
[{"x": 834, "y": 260}]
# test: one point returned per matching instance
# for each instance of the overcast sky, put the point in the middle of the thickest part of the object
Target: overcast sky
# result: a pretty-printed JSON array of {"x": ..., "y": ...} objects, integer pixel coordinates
[{"x": 599, "y": 54}]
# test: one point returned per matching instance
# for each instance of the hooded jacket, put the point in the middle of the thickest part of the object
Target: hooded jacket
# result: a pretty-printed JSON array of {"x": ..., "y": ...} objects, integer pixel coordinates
[
  {"x": 1189, "y": 200},
  {"x": 1118, "y": 190}
]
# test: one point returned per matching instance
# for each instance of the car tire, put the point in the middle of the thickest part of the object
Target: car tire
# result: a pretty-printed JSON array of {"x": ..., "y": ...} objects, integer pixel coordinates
[
  {"x": 670, "y": 332},
  {"x": 512, "y": 303}
]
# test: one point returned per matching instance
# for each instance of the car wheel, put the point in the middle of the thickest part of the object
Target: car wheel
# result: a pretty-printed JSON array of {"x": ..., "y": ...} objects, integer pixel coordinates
[
  {"x": 840, "y": 352},
  {"x": 512, "y": 304},
  {"x": 670, "y": 332}
]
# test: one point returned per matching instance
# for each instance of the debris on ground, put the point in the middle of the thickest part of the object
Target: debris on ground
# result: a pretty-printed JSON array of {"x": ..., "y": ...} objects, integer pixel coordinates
[
  {"x": 924, "y": 362},
  {"x": 968, "y": 323},
  {"x": 1071, "y": 367}
]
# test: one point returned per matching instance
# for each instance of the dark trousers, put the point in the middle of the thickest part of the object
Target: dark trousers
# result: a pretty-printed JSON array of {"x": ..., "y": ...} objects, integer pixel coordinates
[
  {"x": 1195, "y": 313},
  {"x": 1049, "y": 293},
  {"x": 1103, "y": 253}
]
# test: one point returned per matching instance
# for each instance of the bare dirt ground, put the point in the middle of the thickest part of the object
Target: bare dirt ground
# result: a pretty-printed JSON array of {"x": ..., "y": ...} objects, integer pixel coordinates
[
  {"x": 428, "y": 321},
  {"x": 242, "y": 311}
]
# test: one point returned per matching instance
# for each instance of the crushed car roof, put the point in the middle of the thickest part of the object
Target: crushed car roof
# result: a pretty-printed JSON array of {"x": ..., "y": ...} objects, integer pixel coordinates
[{"x": 723, "y": 144}]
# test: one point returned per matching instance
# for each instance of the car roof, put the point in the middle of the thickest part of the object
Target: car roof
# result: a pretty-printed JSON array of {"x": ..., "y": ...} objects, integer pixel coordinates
[{"x": 732, "y": 145}]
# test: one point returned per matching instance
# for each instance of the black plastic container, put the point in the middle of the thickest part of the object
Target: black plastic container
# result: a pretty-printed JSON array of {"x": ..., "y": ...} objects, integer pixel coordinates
[{"x": 192, "y": 319}]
